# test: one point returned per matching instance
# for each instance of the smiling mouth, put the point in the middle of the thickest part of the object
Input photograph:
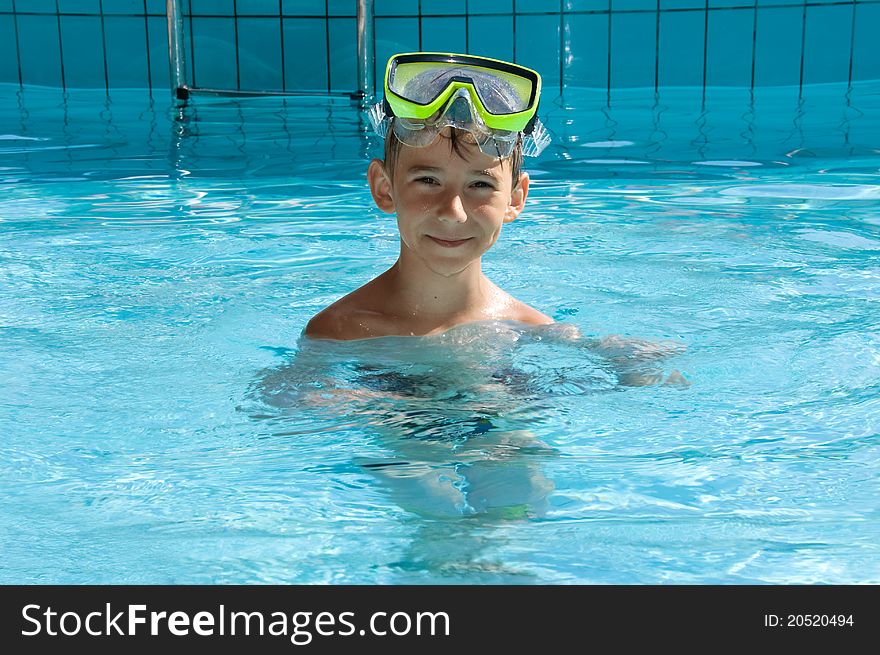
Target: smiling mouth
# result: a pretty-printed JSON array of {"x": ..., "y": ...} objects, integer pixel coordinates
[{"x": 447, "y": 243}]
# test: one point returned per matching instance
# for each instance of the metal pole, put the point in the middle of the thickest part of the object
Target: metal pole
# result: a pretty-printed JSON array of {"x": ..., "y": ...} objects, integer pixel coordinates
[
  {"x": 366, "y": 53},
  {"x": 176, "y": 52}
]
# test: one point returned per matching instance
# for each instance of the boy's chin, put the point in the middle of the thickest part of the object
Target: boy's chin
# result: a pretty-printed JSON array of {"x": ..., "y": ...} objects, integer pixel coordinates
[
  {"x": 441, "y": 261},
  {"x": 449, "y": 268}
]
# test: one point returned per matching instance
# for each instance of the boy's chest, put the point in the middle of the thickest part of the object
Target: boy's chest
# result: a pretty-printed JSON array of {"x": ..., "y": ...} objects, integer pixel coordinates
[{"x": 364, "y": 323}]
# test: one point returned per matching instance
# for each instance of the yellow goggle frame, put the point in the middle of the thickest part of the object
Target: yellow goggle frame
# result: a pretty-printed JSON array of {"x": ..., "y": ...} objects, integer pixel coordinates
[{"x": 525, "y": 83}]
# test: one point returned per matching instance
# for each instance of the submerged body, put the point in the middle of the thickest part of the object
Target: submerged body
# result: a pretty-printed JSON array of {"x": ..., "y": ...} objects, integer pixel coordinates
[{"x": 456, "y": 416}]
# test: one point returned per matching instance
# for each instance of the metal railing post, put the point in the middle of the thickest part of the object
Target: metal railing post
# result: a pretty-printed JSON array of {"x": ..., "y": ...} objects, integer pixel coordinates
[
  {"x": 365, "y": 48},
  {"x": 176, "y": 52}
]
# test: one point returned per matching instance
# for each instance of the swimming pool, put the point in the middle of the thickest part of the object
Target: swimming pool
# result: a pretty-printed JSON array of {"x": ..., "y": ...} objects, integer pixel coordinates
[{"x": 162, "y": 421}]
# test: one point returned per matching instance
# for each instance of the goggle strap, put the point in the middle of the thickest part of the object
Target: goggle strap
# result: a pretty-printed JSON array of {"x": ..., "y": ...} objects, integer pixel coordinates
[{"x": 534, "y": 136}]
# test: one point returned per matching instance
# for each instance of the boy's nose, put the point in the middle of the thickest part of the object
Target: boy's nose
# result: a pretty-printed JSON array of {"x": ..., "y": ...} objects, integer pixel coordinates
[{"x": 452, "y": 209}]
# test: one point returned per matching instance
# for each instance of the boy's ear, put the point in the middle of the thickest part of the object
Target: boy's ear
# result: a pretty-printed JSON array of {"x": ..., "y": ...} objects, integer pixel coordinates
[
  {"x": 380, "y": 186},
  {"x": 517, "y": 198}
]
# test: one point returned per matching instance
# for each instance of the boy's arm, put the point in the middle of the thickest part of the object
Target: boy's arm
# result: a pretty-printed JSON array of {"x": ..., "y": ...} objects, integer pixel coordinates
[
  {"x": 306, "y": 380},
  {"x": 626, "y": 350},
  {"x": 632, "y": 358}
]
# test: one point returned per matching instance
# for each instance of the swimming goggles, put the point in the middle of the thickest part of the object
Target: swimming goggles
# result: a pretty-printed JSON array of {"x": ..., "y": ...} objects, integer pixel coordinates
[{"x": 495, "y": 101}]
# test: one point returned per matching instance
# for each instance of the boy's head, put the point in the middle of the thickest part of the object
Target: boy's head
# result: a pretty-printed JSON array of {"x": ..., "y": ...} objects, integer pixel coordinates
[
  {"x": 451, "y": 199},
  {"x": 454, "y": 128}
]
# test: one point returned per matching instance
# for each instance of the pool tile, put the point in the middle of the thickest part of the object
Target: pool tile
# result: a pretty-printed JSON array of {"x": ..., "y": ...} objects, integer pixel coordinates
[
  {"x": 212, "y": 7},
  {"x": 587, "y": 60},
  {"x": 305, "y": 41},
  {"x": 395, "y": 8},
  {"x": 8, "y": 54},
  {"x": 827, "y": 43},
  {"x": 778, "y": 46},
  {"x": 79, "y": 7},
  {"x": 157, "y": 32},
  {"x": 259, "y": 51},
  {"x": 125, "y": 7},
  {"x": 126, "y": 66},
  {"x": 490, "y": 6},
  {"x": 81, "y": 45},
  {"x": 444, "y": 34},
  {"x": 741, "y": 4},
  {"x": 443, "y": 7},
  {"x": 37, "y": 6},
  {"x": 213, "y": 53},
  {"x": 39, "y": 50},
  {"x": 682, "y": 41},
  {"x": 491, "y": 36},
  {"x": 587, "y": 5},
  {"x": 633, "y": 49},
  {"x": 302, "y": 8},
  {"x": 343, "y": 55},
  {"x": 866, "y": 46},
  {"x": 536, "y": 6},
  {"x": 342, "y": 8},
  {"x": 683, "y": 4},
  {"x": 729, "y": 51},
  {"x": 634, "y": 5},
  {"x": 261, "y": 7}
]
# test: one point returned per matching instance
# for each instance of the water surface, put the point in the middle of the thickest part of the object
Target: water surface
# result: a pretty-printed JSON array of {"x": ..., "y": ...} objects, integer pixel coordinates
[{"x": 162, "y": 420}]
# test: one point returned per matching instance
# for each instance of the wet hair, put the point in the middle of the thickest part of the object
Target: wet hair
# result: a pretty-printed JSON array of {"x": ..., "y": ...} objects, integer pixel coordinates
[{"x": 458, "y": 139}]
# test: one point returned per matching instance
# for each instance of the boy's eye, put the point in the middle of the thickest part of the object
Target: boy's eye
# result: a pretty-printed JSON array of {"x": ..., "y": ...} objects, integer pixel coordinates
[
  {"x": 483, "y": 185},
  {"x": 426, "y": 180}
]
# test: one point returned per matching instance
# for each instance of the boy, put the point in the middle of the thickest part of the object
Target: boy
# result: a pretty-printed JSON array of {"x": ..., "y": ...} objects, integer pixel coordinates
[{"x": 455, "y": 128}]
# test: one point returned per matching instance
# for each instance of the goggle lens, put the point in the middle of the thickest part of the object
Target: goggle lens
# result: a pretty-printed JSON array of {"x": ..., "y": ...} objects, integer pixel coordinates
[
  {"x": 500, "y": 92},
  {"x": 419, "y": 134}
]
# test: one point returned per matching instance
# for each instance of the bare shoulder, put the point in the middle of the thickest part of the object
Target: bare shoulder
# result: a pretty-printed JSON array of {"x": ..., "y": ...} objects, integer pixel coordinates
[
  {"x": 326, "y": 324},
  {"x": 344, "y": 320},
  {"x": 526, "y": 314}
]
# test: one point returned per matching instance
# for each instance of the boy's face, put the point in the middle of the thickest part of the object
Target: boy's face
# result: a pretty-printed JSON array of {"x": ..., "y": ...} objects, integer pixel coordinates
[{"x": 450, "y": 207}]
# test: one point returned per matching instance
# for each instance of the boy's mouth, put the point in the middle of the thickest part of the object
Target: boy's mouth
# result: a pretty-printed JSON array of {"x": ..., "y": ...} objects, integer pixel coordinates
[{"x": 446, "y": 243}]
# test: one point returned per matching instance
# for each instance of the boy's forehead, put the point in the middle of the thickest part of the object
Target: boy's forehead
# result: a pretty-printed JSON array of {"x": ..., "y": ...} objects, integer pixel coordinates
[{"x": 440, "y": 154}]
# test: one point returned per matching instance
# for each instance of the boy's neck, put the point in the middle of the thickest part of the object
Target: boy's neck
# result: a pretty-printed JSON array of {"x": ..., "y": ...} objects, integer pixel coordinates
[{"x": 421, "y": 294}]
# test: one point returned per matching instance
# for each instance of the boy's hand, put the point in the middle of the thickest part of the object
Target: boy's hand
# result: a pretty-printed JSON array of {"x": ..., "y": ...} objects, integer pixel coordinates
[
  {"x": 620, "y": 349},
  {"x": 652, "y": 377},
  {"x": 625, "y": 350},
  {"x": 632, "y": 357}
]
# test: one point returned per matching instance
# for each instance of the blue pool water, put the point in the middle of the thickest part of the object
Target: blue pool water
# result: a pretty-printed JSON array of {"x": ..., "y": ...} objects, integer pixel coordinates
[{"x": 163, "y": 422}]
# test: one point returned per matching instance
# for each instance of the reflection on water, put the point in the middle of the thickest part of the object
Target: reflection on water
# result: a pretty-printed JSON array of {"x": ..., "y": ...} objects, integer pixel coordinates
[{"x": 462, "y": 552}]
